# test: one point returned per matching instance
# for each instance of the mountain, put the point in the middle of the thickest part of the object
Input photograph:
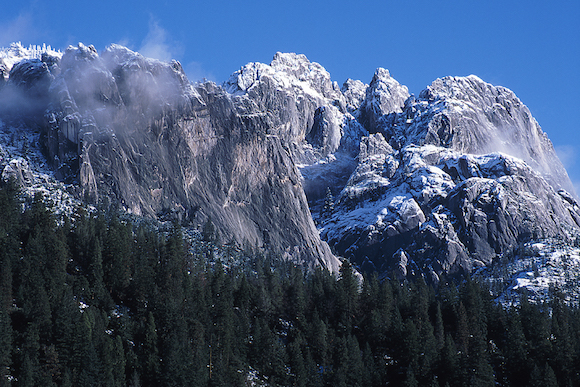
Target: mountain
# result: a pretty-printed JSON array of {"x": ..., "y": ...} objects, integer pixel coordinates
[
  {"x": 126, "y": 129},
  {"x": 282, "y": 158},
  {"x": 448, "y": 181}
]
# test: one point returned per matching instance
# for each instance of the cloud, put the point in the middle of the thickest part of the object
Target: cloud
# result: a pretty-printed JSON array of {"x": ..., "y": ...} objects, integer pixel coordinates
[
  {"x": 125, "y": 42},
  {"x": 196, "y": 72},
  {"x": 567, "y": 155},
  {"x": 157, "y": 44},
  {"x": 19, "y": 29}
]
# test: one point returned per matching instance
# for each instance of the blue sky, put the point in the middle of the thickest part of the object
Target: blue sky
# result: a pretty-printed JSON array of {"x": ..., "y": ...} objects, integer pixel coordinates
[{"x": 531, "y": 47}]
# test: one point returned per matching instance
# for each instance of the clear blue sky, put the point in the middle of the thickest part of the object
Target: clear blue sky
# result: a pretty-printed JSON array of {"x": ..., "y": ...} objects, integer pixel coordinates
[{"x": 531, "y": 47}]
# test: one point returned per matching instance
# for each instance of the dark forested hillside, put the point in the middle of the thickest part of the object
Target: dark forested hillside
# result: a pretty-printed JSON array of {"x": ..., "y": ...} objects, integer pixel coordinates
[{"x": 98, "y": 301}]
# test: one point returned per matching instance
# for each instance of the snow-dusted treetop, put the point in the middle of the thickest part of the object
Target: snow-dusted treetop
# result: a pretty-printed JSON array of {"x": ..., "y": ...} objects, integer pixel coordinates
[{"x": 16, "y": 52}]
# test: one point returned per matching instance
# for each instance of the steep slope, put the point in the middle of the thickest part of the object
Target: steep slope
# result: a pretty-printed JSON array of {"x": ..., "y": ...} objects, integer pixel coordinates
[
  {"x": 437, "y": 184},
  {"x": 450, "y": 181},
  {"x": 308, "y": 111},
  {"x": 135, "y": 131}
]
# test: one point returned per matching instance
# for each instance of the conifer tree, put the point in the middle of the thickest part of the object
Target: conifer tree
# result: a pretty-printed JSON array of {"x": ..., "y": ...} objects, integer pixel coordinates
[
  {"x": 354, "y": 362},
  {"x": 328, "y": 208},
  {"x": 117, "y": 257},
  {"x": 562, "y": 338},
  {"x": 516, "y": 350},
  {"x": 118, "y": 362},
  {"x": 149, "y": 353},
  {"x": 410, "y": 380},
  {"x": 9, "y": 246},
  {"x": 347, "y": 291},
  {"x": 30, "y": 372},
  {"x": 5, "y": 346},
  {"x": 297, "y": 363},
  {"x": 449, "y": 364},
  {"x": 438, "y": 327},
  {"x": 9, "y": 240}
]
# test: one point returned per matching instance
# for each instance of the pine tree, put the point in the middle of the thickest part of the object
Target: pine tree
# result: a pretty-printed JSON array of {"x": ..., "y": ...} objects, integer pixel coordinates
[
  {"x": 516, "y": 350},
  {"x": 118, "y": 362},
  {"x": 297, "y": 363},
  {"x": 30, "y": 372},
  {"x": 318, "y": 339},
  {"x": 354, "y": 362},
  {"x": 117, "y": 257},
  {"x": 328, "y": 208},
  {"x": 412, "y": 346},
  {"x": 562, "y": 338},
  {"x": 370, "y": 375},
  {"x": 6, "y": 335},
  {"x": 549, "y": 377},
  {"x": 438, "y": 327},
  {"x": 449, "y": 364},
  {"x": 99, "y": 295},
  {"x": 149, "y": 354},
  {"x": 9, "y": 254},
  {"x": 209, "y": 232},
  {"x": 9, "y": 240},
  {"x": 347, "y": 292},
  {"x": 410, "y": 380},
  {"x": 462, "y": 330}
]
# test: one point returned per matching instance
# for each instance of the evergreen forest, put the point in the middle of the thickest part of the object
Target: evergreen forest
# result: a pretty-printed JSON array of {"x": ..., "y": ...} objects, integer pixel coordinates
[{"x": 94, "y": 299}]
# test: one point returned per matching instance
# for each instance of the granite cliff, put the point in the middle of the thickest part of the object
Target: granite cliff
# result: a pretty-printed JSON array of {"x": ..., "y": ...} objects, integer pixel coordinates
[{"x": 437, "y": 184}]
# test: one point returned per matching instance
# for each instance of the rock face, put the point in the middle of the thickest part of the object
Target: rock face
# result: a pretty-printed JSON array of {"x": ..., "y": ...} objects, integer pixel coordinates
[
  {"x": 135, "y": 131},
  {"x": 452, "y": 179},
  {"x": 436, "y": 184}
]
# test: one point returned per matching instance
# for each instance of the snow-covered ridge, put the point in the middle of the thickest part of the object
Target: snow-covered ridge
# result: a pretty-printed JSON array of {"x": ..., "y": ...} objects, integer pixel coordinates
[
  {"x": 306, "y": 108},
  {"x": 16, "y": 52},
  {"x": 287, "y": 70},
  {"x": 437, "y": 184},
  {"x": 21, "y": 159},
  {"x": 473, "y": 116},
  {"x": 536, "y": 270},
  {"x": 447, "y": 179}
]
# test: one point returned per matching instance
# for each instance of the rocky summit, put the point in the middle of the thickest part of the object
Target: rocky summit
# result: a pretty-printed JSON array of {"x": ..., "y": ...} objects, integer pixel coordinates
[{"x": 282, "y": 158}]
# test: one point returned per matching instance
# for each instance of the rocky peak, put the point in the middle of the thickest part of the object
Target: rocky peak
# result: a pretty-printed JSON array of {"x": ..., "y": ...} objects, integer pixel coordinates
[
  {"x": 298, "y": 66},
  {"x": 354, "y": 92},
  {"x": 86, "y": 79},
  {"x": 288, "y": 71},
  {"x": 16, "y": 52},
  {"x": 452, "y": 179},
  {"x": 313, "y": 117},
  {"x": 134, "y": 131},
  {"x": 4, "y": 71},
  {"x": 383, "y": 96},
  {"x": 472, "y": 116},
  {"x": 147, "y": 86},
  {"x": 25, "y": 94},
  {"x": 443, "y": 184}
]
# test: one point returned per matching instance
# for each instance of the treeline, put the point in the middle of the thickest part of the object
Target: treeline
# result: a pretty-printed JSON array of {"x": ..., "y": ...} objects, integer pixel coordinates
[{"x": 96, "y": 301}]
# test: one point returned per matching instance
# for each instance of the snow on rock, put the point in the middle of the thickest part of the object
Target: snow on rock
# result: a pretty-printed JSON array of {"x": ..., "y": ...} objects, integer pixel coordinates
[
  {"x": 383, "y": 96},
  {"x": 134, "y": 131},
  {"x": 435, "y": 185},
  {"x": 376, "y": 165},
  {"x": 288, "y": 71},
  {"x": 21, "y": 159},
  {"x": 16, "y": 52},
  {"x": 449, "y": 211},
  {"x": 299, "y": 103},
  {"x": 313, "y": 114},
  {"x": 18, "y": 170},
  {"x": 354, "y": 92},
  {"x": 472, "y": 159},
  {"x": 537, "y": 270},
  {"x": 474, "y": 117}
]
